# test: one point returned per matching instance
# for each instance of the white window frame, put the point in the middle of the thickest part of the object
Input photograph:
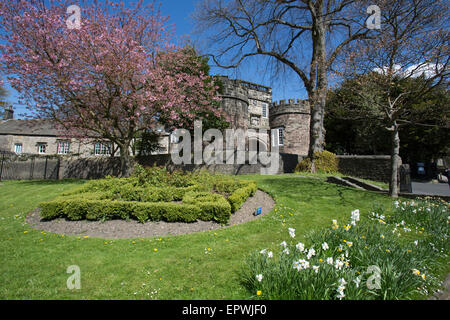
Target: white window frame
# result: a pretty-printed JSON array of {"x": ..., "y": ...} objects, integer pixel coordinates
[
  {"x": 264, "y": 106},
  {"x": 42, "y": 148},
  {"x": 63, "y": 147},
  {"x": 102, "y": 148},
  {"x": 276, "y": 137},
  {"x": 16, "y": 147}
]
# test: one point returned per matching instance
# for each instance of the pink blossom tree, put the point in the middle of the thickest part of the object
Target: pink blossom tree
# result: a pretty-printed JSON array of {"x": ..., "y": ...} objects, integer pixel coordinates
[{"x": 111, "y": 78}]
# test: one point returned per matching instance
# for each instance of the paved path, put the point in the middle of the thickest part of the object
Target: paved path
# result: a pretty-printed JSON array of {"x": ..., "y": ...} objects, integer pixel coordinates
[{"x": 428, "y": 188}]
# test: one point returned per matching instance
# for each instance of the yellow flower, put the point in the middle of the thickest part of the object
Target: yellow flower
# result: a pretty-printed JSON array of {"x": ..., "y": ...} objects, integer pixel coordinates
[
  {"x": 321, "y": 260},
  {"x": 133, "y": 242},
  {"x": 155, "y": 249},
  {"x": 25, "y": 232},
  {"x": 416, "y": 272},
  {"x": 409, "y": 251},
  {"x": 388, "y": 251},
  {"x": 365, "y": 247},
  {"x": 258, "y": 293},
  {"x": 382, "y": 236},
  {"x": 86, "y": 237}
]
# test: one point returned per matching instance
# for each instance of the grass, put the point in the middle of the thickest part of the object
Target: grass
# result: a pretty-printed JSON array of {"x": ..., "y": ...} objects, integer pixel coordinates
[
  {"x": 34, "y": 262},
  {"x": 323, "y": 176}
]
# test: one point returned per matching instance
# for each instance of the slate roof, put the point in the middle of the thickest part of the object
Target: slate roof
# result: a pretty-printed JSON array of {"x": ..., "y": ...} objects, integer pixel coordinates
[{"x": 28, "y": 127}]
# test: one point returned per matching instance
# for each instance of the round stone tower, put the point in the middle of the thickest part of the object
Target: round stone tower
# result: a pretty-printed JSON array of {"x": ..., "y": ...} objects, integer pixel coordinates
[
  {"x": 292, "y": 120},
  {"x": 235, "y": 102}
]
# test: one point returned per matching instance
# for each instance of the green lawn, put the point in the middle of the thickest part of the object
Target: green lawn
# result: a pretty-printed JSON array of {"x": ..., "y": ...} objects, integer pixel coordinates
[{"x": 34, "y": 263}]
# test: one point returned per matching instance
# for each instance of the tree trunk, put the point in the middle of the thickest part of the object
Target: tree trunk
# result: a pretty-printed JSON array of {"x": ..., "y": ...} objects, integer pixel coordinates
[
  {"x": 318, "y": 93},
  {"x": 125, "y": 161},
  {"x": 395, "y": 161}
]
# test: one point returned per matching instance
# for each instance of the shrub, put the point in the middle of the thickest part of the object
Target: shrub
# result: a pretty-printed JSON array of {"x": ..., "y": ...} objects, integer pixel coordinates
[
  {"x": 325, "y": 162},
  {"x": 149, "y": 195},
  {"x": 106, "y": 210},
  {"x": 241, "y": 195},
  {"x": 213, "y": 206}
]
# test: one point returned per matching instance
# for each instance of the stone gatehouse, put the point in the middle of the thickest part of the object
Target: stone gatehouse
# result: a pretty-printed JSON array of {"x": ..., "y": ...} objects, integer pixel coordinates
[{"x": 248, "y": 106}]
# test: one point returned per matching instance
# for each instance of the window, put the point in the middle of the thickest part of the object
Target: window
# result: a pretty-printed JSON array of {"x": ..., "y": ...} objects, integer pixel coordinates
[
  {"x": 18, "y": 148},
  {"x": 264, "y": 109},
  {"x": 42, "y": 148},
  {"x": 102, "y": 148},
  {"x": 278, "y": 137},
  {"x": 63, "y": 147}
]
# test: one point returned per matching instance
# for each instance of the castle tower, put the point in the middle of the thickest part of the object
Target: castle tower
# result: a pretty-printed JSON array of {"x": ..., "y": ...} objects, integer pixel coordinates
[
  {"x": 247, "y": 105},
  {"x": 291, "y": 120}
]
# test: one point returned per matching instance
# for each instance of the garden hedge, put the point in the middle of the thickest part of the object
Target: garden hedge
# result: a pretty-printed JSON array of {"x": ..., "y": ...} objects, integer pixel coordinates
[{"x": 189, "y": 198}]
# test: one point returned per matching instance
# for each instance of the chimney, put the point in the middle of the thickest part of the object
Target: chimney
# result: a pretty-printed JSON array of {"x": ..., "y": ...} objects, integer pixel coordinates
[{"x": 9, "y": 113}]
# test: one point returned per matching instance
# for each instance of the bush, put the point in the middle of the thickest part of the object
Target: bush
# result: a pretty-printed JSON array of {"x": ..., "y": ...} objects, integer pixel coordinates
[
  {"x": 241, "y": 195},
  {"x": 213, "y": 206},
  {"x": 149, "y": 195},
  {"x": 107, "y": 210},
  {"x": 325, "y": 162}
]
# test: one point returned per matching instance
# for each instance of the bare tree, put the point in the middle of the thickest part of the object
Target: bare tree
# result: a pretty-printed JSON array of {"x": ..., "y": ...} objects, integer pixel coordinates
[
  {"x": 412, "y": 43},
  {"x": 305, "y": 36}
]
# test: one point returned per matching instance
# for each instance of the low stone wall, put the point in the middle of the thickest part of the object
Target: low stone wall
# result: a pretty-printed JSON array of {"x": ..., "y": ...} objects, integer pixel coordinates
[
  {"x": 376, "y": 168},
  {"x": 96, "y": 168}
]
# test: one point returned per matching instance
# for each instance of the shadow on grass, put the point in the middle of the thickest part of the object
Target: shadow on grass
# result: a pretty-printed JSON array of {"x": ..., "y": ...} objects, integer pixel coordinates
[{"x": 311, "y": 190}]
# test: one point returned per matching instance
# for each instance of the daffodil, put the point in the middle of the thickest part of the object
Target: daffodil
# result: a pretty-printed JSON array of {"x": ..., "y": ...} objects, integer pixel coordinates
[{"x": 300, "y": 247}]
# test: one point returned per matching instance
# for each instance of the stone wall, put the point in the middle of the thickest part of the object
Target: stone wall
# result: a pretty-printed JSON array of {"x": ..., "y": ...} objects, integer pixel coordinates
[
  {"x": 376, "y": 168},
  {"x": 96, "y": 168},
  {"x": 294, "y": 118}
]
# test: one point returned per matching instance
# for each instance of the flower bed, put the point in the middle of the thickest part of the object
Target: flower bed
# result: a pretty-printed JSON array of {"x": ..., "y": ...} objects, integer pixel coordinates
[
  {"x": 152, "y": 195},
  {"x": 385, "y": 256}
]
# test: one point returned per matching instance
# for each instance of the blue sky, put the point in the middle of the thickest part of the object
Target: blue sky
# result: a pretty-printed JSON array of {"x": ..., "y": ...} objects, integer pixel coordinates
[{"x": 179, "y": 12}]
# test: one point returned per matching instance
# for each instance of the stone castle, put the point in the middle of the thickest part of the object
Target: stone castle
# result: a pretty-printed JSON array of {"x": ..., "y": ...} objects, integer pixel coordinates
[{"x": 250, "y": 106}]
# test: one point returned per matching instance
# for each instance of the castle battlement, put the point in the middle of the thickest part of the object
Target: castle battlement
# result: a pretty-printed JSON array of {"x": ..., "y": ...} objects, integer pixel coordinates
[{"x": 291, "y": 106}]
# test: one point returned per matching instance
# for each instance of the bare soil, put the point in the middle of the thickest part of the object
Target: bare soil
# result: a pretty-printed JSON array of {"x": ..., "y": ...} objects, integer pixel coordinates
[{"x": 115, "y": 229}]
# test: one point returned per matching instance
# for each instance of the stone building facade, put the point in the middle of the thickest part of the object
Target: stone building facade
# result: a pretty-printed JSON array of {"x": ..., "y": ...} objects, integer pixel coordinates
[
  {"x": 291, "y": 123},
  {"x": 248, "y": 106}
]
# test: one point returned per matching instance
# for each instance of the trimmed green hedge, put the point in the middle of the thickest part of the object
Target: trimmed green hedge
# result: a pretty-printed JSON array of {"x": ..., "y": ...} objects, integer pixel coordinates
[
  {"x": 213, "y": 206},
  {"x": 241, "y": 195},
  {"x": 107, "y": 210},
  {"x": 136, "y": 198}
]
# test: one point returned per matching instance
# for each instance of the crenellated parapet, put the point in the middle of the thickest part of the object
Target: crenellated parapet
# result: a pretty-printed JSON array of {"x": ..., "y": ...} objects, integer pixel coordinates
[
  {"x": 291, "y": 106},
  {"x": 292, "y": 117}
]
